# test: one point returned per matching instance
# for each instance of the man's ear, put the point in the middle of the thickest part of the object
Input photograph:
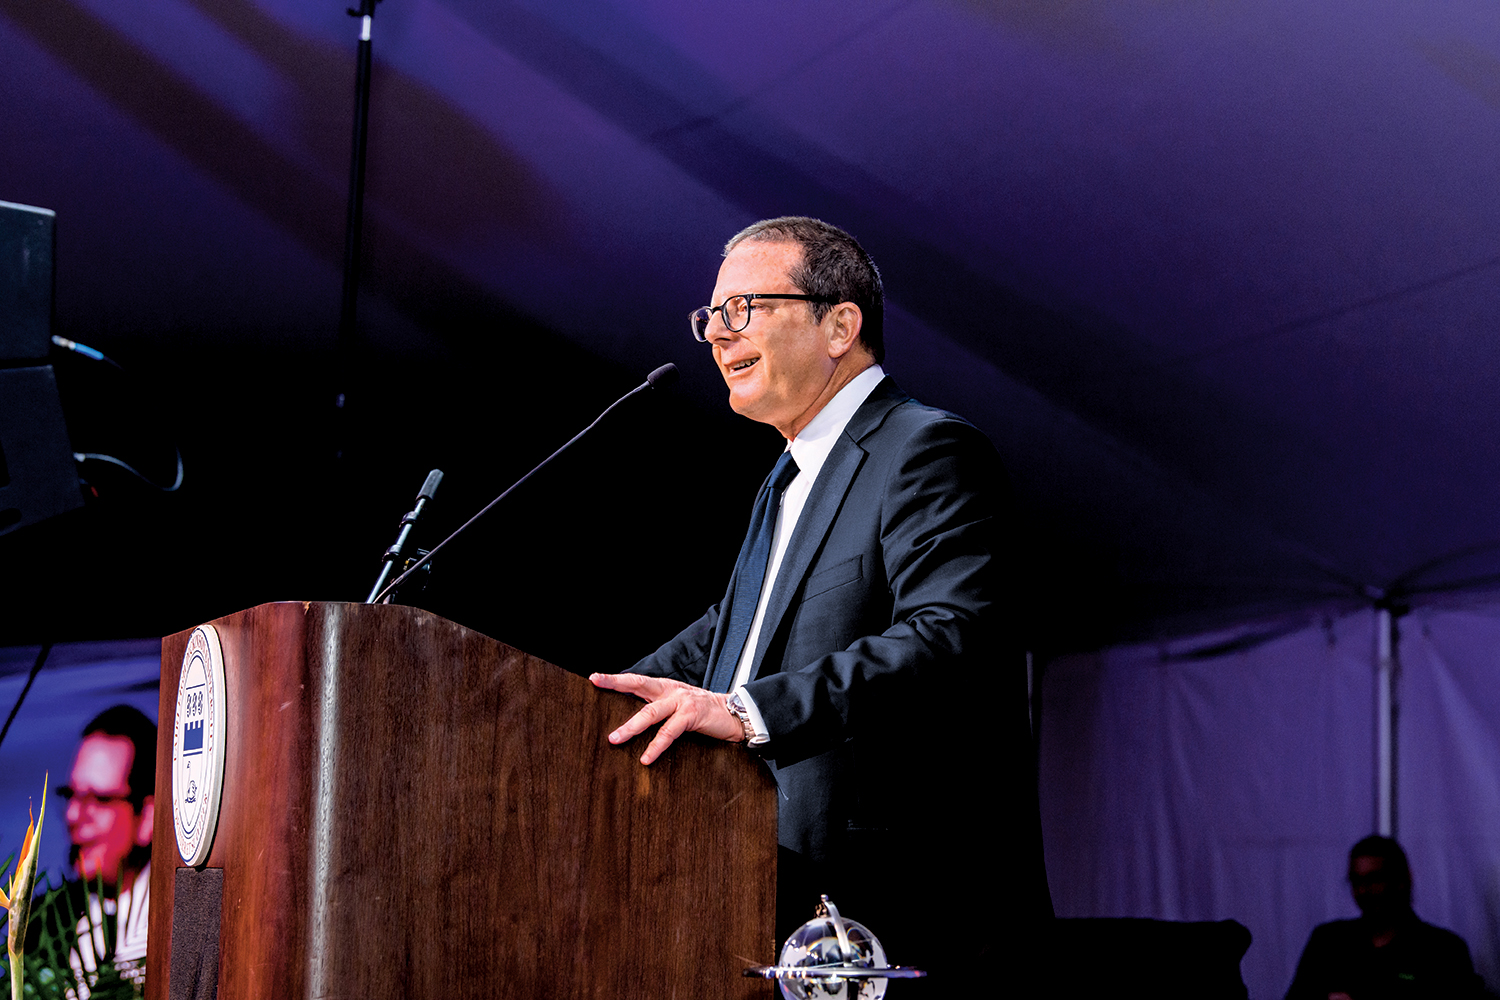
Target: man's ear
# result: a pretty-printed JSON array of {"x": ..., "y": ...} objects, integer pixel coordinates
[
  {"x": 844, "y": 323},
  {"x": 144, "y": 825}
]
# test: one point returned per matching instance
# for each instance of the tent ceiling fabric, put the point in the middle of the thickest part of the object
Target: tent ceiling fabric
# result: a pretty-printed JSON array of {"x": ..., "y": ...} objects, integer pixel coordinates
[{"x": 1220, "y": 279}]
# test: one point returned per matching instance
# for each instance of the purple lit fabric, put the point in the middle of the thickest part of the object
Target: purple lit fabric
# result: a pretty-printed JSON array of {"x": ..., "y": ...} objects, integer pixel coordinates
[{"x": 1207, "y": 787}]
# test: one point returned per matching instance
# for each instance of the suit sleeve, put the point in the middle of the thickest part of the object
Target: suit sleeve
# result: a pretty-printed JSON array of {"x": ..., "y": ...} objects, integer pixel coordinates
[
  {"x": 919, "y": 627},
  {"x": 685, "y": 657}
]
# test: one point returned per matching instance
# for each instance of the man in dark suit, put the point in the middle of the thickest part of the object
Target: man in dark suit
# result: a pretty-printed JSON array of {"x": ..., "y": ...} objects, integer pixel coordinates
[{"x": 870, "y": 666}]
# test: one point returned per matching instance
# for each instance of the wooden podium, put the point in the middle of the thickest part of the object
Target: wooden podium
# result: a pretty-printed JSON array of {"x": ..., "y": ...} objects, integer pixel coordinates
[{"x": 413, "y": 810}]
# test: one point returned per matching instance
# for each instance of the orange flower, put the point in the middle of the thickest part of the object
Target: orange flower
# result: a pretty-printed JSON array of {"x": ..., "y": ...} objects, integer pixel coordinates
[{"x": 19, "y": 900}]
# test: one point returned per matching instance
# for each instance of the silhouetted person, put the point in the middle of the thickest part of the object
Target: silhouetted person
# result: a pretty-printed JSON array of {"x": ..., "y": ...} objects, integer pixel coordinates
[{"x": 1387, "y": 951}]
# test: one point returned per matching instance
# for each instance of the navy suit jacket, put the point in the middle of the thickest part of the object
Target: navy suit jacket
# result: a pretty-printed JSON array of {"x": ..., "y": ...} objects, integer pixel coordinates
[{"x": 895, "y": 713}]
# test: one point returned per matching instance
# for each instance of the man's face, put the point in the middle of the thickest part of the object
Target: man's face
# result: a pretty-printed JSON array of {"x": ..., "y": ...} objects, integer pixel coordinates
[
  {"x": 1375, "y": 886},
  {"x": 779, "y": 366},
  {"x": 102, "y": 823}
]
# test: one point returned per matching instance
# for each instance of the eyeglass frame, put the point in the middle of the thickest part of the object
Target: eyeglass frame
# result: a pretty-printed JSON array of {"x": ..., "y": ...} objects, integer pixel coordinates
[
  {"x": 749, "y": 298},
  {"x": 69, "y": 795}
]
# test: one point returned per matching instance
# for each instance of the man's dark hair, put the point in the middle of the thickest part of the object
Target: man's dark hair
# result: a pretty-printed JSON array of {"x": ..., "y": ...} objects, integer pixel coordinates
[
  {"x": 131, "y": 723},
  {"x": 833, "y": 265}
]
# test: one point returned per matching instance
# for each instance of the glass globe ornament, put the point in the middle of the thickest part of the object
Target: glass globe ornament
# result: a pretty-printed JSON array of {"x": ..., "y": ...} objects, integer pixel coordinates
[{"x": 832, "y": 958}]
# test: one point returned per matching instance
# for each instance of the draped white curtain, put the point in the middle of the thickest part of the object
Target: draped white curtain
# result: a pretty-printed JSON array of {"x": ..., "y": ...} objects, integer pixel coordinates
[{"x": 1227, "y": 775}]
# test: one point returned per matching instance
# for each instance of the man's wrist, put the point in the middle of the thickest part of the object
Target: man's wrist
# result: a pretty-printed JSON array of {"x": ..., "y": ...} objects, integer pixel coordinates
[
  {"x": 735, "y": 712},
  {"x": 736, "y": 706}
]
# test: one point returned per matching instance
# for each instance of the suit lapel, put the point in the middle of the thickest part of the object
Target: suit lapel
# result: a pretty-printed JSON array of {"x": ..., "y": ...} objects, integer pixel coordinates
[{"x": 823, "y": 504}]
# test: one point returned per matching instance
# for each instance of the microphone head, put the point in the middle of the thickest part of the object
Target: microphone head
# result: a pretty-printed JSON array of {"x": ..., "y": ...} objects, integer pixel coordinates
[
  {"x": 662, "y": 377},
  {"x": 429, "y": 488}
]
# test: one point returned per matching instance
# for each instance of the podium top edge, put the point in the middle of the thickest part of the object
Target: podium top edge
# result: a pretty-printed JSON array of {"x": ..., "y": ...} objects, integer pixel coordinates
[{"x": 308, "y": 606}]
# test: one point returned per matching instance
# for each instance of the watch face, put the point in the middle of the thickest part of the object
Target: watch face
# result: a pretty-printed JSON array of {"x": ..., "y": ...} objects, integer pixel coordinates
[{"x": 736, "y": 706}]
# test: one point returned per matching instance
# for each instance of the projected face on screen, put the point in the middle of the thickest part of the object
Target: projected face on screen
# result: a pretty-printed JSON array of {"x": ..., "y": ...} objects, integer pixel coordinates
[{"x": 106, "y": 826}]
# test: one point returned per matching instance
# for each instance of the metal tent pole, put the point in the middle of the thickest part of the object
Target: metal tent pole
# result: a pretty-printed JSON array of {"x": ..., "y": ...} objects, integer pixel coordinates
[
  {"x": 1386, "y": 671},
  {"x": 355, "y": 221}
]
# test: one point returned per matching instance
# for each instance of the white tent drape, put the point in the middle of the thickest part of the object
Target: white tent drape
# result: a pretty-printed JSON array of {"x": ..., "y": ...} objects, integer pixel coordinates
[{"x": 1227, "y": 775}]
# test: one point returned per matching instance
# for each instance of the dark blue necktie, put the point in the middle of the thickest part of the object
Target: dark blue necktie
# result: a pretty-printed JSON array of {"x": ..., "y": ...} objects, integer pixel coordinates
[{"x": 750, "y": 575}]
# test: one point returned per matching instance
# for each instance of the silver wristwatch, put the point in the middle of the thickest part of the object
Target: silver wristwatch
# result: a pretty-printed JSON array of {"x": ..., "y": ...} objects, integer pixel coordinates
[{"x": 736, "y": 706}]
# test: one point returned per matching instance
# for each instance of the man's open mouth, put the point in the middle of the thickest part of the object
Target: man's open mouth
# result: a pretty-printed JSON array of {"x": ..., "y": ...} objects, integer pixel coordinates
[{"x": 742, "y": 365}]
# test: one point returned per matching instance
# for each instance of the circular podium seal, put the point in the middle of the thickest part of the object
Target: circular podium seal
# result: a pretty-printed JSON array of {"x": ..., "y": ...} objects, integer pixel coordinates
[{"x": 198, "y": 746}]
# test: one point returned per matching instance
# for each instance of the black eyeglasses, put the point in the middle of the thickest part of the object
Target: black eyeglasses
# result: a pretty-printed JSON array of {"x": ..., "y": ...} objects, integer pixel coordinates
[{"x": 737, "y": 309}]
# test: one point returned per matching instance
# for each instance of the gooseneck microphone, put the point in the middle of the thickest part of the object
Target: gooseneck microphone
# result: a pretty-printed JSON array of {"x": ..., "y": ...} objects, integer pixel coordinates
[
  {"x": 660, "y": 378},
  {"x": 665, "y": 377}
]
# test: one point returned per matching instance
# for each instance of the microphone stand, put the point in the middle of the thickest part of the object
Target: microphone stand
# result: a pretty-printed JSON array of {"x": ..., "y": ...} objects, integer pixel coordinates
[{"x": 393, "y": 554}]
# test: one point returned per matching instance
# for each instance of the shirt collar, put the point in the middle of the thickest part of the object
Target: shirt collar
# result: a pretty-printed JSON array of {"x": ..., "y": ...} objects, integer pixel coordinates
[{"x": 810, "y": 448}]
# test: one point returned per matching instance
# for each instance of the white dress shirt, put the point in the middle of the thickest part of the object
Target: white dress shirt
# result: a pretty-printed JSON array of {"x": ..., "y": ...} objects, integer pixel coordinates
[{"x": 809, "y": 450}]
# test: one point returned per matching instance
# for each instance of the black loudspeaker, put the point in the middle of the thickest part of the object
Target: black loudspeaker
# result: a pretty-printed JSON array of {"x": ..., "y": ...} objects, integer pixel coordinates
[
  {"x": 37, "y": 476},
  {"x": 28, "y": 242}
]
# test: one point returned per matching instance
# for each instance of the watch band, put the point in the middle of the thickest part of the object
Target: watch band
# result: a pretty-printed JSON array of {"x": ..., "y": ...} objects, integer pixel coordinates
[{"x": 736, "y": 707}]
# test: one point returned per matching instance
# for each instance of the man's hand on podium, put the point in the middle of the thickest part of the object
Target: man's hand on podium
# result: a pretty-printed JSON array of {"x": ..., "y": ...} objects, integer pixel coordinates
[{"x": 680, "y": 708}]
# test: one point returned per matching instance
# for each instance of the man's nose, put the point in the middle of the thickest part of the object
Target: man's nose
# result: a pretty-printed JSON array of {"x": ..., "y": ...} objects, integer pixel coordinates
[
  {"x": 75, "y": 811},
  {"x": 717, "y": 332}
]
